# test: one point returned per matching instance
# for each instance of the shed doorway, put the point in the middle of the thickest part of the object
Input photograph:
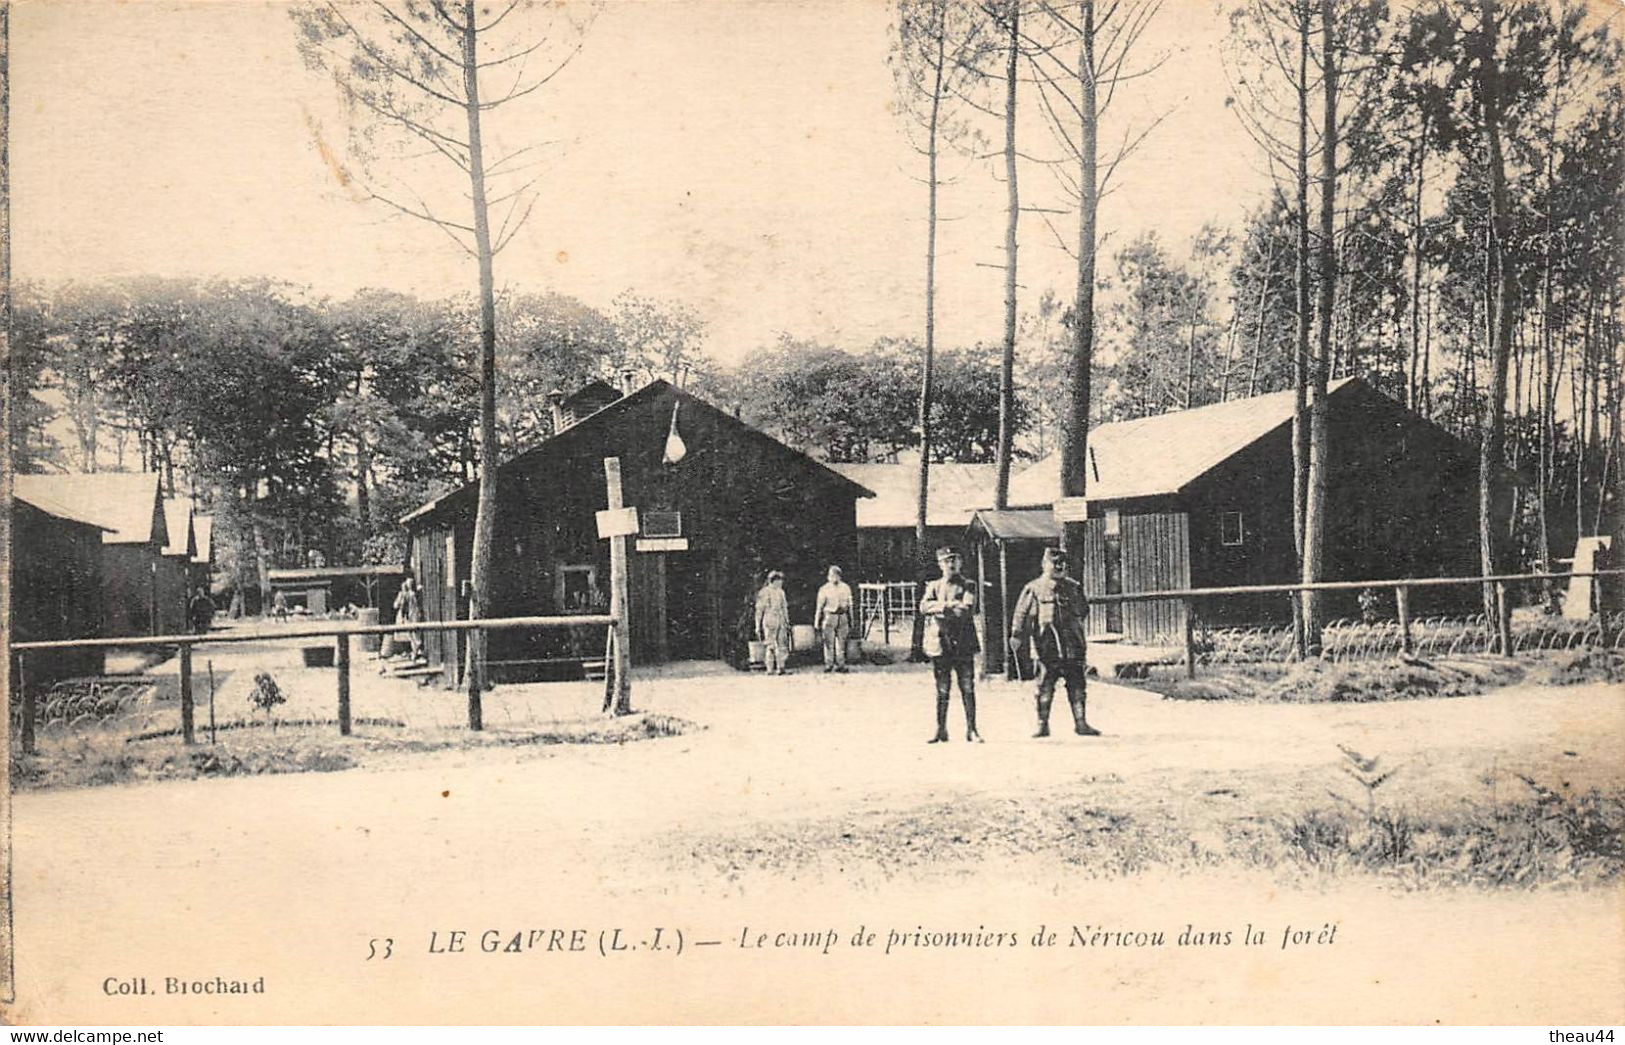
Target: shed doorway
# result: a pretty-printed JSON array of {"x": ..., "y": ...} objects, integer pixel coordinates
[{"x": 693, "y": 607}]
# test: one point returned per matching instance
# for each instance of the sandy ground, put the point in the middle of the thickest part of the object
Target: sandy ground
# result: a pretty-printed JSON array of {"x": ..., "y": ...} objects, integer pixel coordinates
[{"x": 299, "y": 878}]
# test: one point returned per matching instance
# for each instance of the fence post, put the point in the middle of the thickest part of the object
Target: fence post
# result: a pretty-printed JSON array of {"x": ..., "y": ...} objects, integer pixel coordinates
[
  {"x": 30, "y": 711},
  {"x": 1190, "y": 639},
  {"x": 1300, "y": 629},
  {"x": 885, "y": 613},
  {"x": 344, "y": 685},
  {"x": 619, "y": 594},
  {"x": 1402, "y": 602},
  {"x": 187, "y": 734},
  {"x": 1503, "y": 617}
]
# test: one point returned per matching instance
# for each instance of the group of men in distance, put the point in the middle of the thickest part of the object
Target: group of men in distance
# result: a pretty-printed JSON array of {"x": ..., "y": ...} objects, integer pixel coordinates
[{"x": 1050, "y": 617}]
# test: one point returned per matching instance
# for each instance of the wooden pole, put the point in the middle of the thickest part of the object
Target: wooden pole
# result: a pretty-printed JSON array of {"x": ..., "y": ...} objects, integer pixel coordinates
[
  {"x": 1190, "y": 639},
  {"x": 1503, "y": 617},
  {"x": 30, "y": 706},
  {"x": 1402, "y": 602},
  {"x": 344, "y": 685},
  {"x": 619, "y": 594},
  {"x": 981, "y": 607},
  {"x": 885, "y": 612},
  {"x": 211, "y": 702},
  {"x": 187, "y": 733},
  {"x": 1012, "y": 669}
]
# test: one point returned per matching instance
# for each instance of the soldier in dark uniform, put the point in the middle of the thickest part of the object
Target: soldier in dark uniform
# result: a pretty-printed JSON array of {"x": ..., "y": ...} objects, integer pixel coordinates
[
  {"x": 950, "y": 641},
  {"x": 1052, "y": 612}
]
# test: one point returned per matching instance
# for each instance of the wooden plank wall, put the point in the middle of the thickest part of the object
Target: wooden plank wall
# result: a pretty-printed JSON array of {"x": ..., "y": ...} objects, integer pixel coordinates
[
  {"x": 1156, "y": 557},
  {"x": 1091, "y": 572}
]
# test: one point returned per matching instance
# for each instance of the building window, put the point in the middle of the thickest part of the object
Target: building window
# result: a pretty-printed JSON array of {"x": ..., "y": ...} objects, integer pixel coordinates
[
  {"x": 1230, "y": 529},
  {"x": 662, "y": 524},
  {"x": 1114, "y": 522}
]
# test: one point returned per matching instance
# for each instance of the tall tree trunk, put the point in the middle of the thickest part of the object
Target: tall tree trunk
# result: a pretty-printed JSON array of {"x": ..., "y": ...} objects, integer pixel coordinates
[
  {"x": 928, "y": 359},
  {"x": 485, "y": 518},
  {"x": 1075, "y": 421},
  {"x": 363, "y": 484},
  {"x": 1258, "y": 329},
  {"x": 1300, "y": 357},
  {"x": 1413, "y": 387},
  {"x": 1315, "y": 503},
  {"x": 1190, "y": 366},
  {"x": 1500, "y": 299},
  {"x": 1007, "y": 365}
]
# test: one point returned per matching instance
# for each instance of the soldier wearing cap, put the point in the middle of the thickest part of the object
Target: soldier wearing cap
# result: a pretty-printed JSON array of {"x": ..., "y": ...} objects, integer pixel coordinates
[
  {"x": 1052, "y": 613},
  {"x": 832, "y": 618},
  {"x": 950, "y": 641}
]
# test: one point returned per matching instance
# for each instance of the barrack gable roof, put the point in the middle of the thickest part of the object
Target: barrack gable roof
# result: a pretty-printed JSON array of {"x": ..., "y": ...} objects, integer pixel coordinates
[
  {"x": 955, "y": 491},
  {"x": 182, "y": 538},
  {"x": 203, "y": 530},
  {"x": 125, "y": 503},
  {"x": 563, "y": 442},
  {"x": 1152, "y": 456},
  {"x": 41, "y": 502}
]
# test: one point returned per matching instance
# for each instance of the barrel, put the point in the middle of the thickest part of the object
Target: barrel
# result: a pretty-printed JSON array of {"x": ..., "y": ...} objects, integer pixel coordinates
[
  {"x": 758, "y": 652},
  {"x": 369, "y": 617},
  {"x": 803, "y": 637}
]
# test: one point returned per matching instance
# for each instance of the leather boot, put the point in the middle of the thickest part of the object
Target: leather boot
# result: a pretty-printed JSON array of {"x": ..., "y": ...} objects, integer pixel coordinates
[
  {"x": 1080, "y": 723},
  {"x": 1043, "y": 717},
  {"x": 942, "y": 720}
]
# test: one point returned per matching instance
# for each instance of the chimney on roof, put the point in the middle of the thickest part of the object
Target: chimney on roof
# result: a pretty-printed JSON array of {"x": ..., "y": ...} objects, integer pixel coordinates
[
  {"x": 555, "y": 399},
  {"x": 629, "y": 379}
]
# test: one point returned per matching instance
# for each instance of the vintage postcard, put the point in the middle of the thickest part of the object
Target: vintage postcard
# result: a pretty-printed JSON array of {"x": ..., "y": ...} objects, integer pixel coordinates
[{"x": 814, "y": 512}]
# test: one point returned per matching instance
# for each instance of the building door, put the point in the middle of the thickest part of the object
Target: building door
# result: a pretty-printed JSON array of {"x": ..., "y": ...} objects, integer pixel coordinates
[
  {"x": 1114, "y": 582},
  {"x": 692, "y": 607}
]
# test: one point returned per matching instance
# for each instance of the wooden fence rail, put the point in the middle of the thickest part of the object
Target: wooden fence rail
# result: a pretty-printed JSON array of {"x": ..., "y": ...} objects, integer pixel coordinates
[{"x": 617, "y": 668}]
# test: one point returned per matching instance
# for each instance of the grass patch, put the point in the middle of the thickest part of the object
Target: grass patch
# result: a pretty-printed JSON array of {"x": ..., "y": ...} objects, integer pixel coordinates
[
  {"x": 254, "y": 748},
  {"x": 1582, "y": 666},
  {"x": 1323, "y": 682},
  {"x": 1539, "y": 837}
]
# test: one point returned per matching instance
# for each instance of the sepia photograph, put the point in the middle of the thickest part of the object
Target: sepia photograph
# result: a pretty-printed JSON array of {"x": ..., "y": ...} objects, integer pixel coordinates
[{"x": 812, "y": 512}]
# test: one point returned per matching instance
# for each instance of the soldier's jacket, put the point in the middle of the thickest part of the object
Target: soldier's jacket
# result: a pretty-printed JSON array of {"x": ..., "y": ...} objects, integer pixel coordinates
[{"x": 1055, "y": 614}]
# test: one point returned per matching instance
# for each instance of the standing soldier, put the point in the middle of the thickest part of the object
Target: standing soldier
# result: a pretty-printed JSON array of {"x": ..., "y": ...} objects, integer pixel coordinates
[
  {"x": 950, "y": 641},
  {"x": 200, "y": 611},
  {"x": 773, "y": 624},
  {"x": 1052, "y": 612},
  {"x": 833, "y": 619}
]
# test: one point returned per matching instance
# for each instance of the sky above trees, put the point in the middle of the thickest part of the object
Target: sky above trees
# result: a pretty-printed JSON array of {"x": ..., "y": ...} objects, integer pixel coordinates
[{"x": 740, "y": 157}]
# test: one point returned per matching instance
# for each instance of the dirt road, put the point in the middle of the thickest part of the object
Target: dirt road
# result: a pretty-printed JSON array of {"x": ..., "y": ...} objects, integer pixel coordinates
[{"x": 299, "y": 878}]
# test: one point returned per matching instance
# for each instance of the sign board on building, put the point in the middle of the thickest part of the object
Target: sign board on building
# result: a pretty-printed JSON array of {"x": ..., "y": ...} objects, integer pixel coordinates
[
  {"x": 1071, "y": 509},
  {"x": 662, "y": 544},
  {"x": 617, "y": 522}
]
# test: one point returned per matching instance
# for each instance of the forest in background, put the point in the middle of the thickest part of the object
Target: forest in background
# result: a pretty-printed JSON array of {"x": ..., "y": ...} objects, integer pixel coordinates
[{"x": 305, "y": 422}]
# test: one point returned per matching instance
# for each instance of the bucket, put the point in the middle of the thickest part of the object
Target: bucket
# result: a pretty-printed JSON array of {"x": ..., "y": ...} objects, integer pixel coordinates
[
  {"x": 369, "y": 618},
  {"x": 758, "y": 652},
  {"x": 854, "y": 650},
  {"x": 803, "y": 637},
  {"x": 386, "y": 648}
]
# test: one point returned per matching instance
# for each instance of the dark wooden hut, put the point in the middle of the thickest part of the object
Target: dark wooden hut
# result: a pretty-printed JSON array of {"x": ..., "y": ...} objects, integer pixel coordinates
[
  {"x": 1203, "y": 498},
  {"x": 132, "y": 552},
  {"x": 175, "y": 567},
  {"x": 887, "y": 548},
  {"x": 56, "y": 584},
  {"x": 736, "y": 503}
]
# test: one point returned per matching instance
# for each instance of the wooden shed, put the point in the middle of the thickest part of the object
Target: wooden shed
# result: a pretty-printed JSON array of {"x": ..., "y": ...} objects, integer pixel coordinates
[
  {"x": 132, "y": 552},
  {"x": 175, "y": 568},
  {"x": 887, "y": 549},
  {"x": 56, "y": 583},
  {"x": 202, "y": 568},
  {"x": 735, "y": 503},
  {"x": 1203, "y": 498}
]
